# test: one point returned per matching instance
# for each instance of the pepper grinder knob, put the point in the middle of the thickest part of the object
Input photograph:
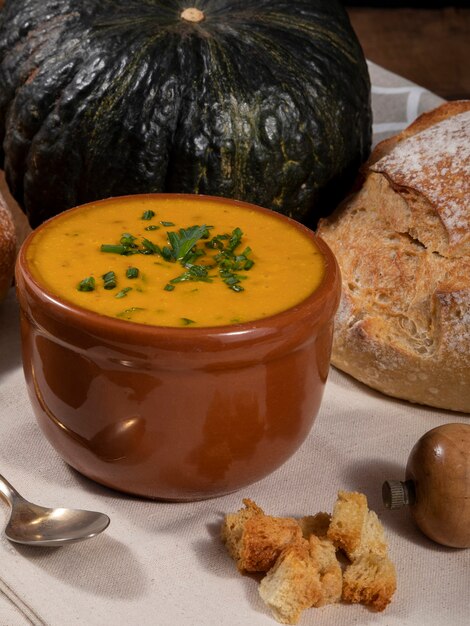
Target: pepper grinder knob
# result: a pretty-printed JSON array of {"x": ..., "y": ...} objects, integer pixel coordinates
[
  {"x": 437, "y": 485},
  {"x": 398, "y": 493}
]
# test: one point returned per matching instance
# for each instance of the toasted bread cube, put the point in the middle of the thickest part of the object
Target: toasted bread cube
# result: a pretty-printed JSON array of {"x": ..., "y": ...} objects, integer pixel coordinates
[
  {"x": 354, "y": 528},
  {"x": 371, "y": 580},
  {"x": 317, "y": 524},
  {"x": 234, "y": 524},
  {"x": 292, "y": 585},
  {"x": 306, "y": 574},
  {"x": 323, "y": 555},
  {"x": 255, "y": 540}
]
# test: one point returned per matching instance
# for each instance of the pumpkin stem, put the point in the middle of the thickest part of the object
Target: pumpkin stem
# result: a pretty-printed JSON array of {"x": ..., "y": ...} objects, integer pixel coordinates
[{"x": 192, "y": 15}]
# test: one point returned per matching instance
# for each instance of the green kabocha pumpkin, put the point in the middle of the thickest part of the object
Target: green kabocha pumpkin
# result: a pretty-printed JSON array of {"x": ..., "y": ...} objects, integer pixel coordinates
[{"x": 261, "y": 100}]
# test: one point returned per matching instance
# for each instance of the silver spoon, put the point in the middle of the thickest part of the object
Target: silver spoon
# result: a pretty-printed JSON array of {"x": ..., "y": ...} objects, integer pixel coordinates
[{"x": 36, "y": 525}]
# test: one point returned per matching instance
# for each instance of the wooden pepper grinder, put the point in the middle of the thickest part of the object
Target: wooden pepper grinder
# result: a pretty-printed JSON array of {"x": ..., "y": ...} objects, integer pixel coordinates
[{"x": 437, "y": 485}]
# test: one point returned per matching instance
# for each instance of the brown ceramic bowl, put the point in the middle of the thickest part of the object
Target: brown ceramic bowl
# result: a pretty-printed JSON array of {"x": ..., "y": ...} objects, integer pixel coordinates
[{"x": 175, "y": 413}]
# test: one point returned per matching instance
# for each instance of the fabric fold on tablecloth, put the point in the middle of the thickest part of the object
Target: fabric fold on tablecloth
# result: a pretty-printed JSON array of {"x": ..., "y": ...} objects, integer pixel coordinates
[{"x": 14, "y": 611}]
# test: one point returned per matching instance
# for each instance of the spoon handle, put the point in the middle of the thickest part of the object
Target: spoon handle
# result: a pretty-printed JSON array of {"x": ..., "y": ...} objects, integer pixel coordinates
[{"x": 8, "y": 492}]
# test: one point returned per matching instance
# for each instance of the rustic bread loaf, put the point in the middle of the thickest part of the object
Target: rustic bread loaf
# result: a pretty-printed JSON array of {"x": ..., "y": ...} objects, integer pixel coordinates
[
  {"x": 7, "y": 248},
  {"x": 403, "y": 245}
]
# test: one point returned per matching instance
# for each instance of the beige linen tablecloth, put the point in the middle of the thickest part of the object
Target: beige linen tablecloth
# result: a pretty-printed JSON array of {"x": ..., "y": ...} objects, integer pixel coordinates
[{"x": 163, "y": 564}]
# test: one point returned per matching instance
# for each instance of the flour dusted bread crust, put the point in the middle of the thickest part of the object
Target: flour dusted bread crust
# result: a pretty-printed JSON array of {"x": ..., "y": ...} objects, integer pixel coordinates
[
  {"x": 403, "y": 246},
  {"x": 7, "y": 248}
]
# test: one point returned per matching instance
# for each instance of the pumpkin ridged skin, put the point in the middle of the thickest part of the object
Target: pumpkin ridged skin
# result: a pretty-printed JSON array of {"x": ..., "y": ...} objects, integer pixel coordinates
[{"x": 266, "y": 101}]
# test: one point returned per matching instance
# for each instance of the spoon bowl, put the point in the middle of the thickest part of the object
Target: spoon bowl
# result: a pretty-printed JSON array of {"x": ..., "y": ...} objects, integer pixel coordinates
[{"x": 36, "y": 525}]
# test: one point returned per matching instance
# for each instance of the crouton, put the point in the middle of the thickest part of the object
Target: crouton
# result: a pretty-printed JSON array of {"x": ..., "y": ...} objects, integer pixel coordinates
[
  {"x": 255, "y": 540},
  {"x": 370, "y": 580},
  {"x": 354, "y": 528}
]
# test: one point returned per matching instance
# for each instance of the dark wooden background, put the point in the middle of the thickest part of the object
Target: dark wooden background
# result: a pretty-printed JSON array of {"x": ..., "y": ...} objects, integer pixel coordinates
[{"x": 430, "y": 46}]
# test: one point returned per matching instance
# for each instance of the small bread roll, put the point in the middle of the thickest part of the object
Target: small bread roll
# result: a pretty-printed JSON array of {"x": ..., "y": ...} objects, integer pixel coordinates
[
  {"x": 403, "y": 246},
  {"x": 7, "y": 248}
]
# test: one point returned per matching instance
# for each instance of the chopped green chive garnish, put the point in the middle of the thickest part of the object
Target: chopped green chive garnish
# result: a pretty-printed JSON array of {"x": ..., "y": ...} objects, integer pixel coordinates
[
  {"x": 123, "y": 292},
  {"x": 229, "y": 263},
  {"x": 167, "y": 254},
  {"x": 182, "y": 242},
  {"x": 132, "y": 272},
  {"x": 127, "y": 313},
  {"x": 109, "y": 280},
  {"x": 235, "y": 239},
  {"x": 183, "y": 248},
  {"x": 195, "y": 272},
  {"x": 126, "y": 245},
  {"x": 217, "y": 242},
  {"x": 232, "y": 279},
  {"x": 193, "y": 255},
  {"x": 149, "y": 247},
  {"x": 128, "y": 240},
  {"x": 114, "y": 248},
  {"x": 87, "y": 284},
  {"x": 186, "y": 321}
]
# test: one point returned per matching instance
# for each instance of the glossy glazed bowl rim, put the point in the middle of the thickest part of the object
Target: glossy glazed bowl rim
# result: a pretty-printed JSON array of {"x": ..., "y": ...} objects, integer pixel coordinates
[{"x": 97, "y": 322}]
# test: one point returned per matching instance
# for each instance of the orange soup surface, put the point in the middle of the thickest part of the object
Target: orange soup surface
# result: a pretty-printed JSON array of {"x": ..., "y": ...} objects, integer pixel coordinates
[{"x": 175, "y": 262}]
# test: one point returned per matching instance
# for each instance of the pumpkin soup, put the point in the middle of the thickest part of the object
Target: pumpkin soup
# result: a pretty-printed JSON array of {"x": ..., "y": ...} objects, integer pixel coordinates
[{"x": 176, "y": 261}]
